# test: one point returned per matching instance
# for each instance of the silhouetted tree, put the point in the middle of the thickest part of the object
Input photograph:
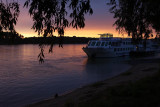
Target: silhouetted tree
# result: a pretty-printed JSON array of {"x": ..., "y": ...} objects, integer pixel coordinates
[
  {"x": 9, "y": 12},
  {"x": 52, "y": 15},
  {"x": 48, "y": 16},
  {"x": 136, "y": 17},
  {"x": 153, "y": 13}
]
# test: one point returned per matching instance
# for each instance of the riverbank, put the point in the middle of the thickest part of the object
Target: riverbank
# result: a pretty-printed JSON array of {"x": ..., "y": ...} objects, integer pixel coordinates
[{"x": 96, "y": 95}]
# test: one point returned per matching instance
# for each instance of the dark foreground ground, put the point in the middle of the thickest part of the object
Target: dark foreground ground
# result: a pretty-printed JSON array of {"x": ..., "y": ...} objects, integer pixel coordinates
[{"x": 138, "y": 87}]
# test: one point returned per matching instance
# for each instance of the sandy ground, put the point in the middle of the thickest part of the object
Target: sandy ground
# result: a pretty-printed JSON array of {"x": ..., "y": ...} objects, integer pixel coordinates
[{"x": 140, "y": 69}]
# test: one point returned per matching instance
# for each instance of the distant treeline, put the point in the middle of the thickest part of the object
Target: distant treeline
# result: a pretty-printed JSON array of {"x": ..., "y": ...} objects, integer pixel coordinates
[
  {"x": 56, "y": 40},
  {"x": 11, "y": 39}
]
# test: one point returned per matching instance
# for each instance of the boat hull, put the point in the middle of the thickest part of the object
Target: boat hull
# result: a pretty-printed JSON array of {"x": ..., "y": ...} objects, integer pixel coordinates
[{"x": 99, "y": 52}]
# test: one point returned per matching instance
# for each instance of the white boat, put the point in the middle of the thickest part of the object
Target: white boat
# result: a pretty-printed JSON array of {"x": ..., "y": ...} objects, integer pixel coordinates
[{"x": 109, "y": 46}]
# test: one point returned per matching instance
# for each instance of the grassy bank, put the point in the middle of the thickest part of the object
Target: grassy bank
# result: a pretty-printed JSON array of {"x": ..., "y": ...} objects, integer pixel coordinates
[
  {"x": 142, "y": 93},
  {"x": 138, "y": 87}
]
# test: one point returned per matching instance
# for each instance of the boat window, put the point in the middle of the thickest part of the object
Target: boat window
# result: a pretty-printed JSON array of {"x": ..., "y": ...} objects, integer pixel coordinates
[
  {"x": 114, "y": 43},
  {"x": 110, "y": 43},
  {"x": 106, "y": 43},
  {"x": 102, "y": 43},
  {"x": 117, "y": 44},
  {"x": 89, "y": 43},
  {"x": 114, "y": 49},
  {"x": 129, "y": 43},
  {"x": 98, "y": 43},
  {"x": 93, "y": 43}
]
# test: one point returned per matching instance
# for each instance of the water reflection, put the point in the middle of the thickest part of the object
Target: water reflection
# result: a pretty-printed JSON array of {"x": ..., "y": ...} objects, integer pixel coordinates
[
  {"x": 23, "y": 80},
  {"x": 101, "y": 68}
]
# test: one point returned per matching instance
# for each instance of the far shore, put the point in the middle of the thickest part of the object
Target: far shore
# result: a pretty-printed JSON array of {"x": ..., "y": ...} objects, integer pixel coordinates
[
  {"x": 47, "y": 41},
  {"x": 141, "y": 68}
]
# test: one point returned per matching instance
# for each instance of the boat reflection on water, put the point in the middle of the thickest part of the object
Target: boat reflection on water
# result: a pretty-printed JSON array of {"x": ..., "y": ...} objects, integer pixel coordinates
[
  {"x": 108, "y": 67},
  {"x": 104, "y": 68}
]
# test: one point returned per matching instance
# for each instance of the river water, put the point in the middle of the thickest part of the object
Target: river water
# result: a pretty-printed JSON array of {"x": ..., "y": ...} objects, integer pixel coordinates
[{"x": 23, "y": 80}]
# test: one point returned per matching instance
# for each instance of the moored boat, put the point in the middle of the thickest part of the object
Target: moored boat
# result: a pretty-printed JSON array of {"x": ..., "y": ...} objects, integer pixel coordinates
[{"x": 109, "y": 46}]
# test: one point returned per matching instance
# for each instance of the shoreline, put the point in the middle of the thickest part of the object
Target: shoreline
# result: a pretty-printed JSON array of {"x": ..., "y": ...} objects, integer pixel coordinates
[{"x": 141, "y": 68}]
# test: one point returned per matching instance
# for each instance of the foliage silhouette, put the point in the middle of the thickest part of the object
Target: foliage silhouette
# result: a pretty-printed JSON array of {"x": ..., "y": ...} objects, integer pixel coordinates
[
  {"x": 52, "y": 15},
  {"x": 48, "y": 16},
  {"x": 138, "y": 18},
  {"x": 9, "y": 13}
]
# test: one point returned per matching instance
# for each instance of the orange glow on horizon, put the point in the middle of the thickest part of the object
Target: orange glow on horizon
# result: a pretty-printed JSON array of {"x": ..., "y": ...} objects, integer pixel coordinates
[{"x": 74, "y": 32}]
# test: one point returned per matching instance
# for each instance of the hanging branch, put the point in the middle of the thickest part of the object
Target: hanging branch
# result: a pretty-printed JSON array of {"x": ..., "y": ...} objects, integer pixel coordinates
[
  {"x": 9, "y": 13},
  {"x": 51, "y": 16}
]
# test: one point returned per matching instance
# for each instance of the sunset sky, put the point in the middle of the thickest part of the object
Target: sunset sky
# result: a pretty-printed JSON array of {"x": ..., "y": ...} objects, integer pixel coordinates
[{"x": 100, "y": 22}]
